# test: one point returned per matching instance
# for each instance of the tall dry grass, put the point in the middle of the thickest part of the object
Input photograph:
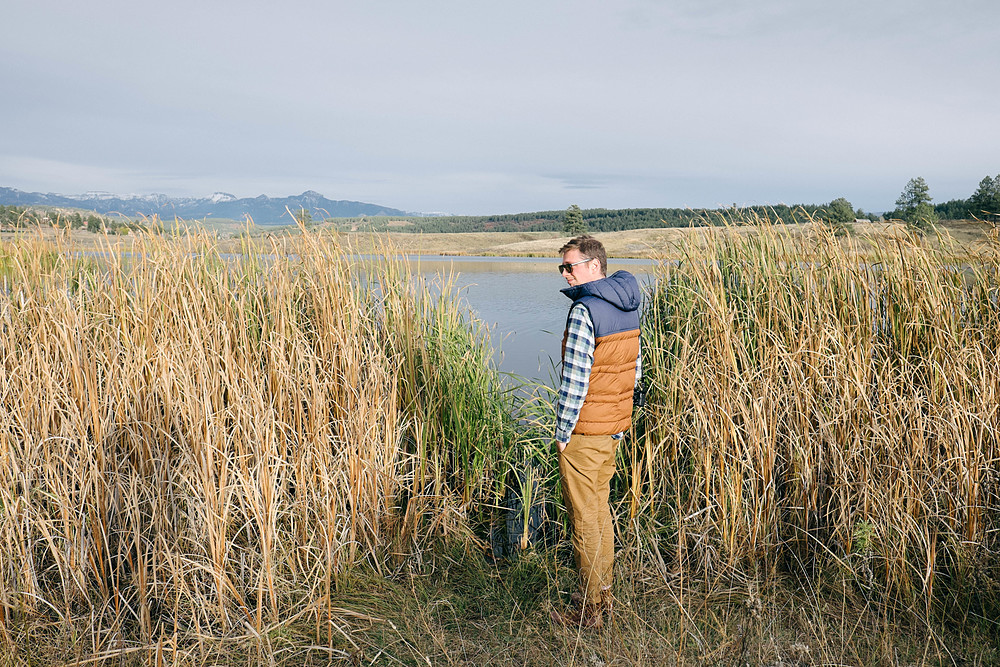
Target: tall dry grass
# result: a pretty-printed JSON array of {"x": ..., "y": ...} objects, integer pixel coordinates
[
  {"x": 200, "y": 444},
  {"x": 815, "y": 413},
  {"x": 196, "y": 446}
]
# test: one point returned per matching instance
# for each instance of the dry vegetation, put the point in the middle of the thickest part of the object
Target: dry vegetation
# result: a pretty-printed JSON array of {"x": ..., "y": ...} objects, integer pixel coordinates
[
  {"x": 263, "y": 459},
  {"x": 658, "y": 243},
  {"x": 651, "y": 243}
]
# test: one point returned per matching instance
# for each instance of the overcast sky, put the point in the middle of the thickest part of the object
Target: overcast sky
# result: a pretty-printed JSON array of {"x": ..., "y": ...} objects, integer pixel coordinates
[{"x": 474, "y": 107}]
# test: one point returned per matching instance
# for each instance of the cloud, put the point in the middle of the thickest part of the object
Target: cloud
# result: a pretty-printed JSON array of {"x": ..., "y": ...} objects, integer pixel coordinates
[
  {"x": 475, "y": 107},
  {"x": 582, "y": 181},
  {"x": 39, "y": 174}
]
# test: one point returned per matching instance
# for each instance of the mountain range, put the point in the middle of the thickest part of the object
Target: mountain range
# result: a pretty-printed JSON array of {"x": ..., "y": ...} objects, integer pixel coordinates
[{"x": 262, "y": 210}]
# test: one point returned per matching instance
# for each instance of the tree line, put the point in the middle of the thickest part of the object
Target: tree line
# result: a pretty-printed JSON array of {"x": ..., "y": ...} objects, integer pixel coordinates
[
  {"x": 983, "y": 204},
  {"x": 22, "y": 217},
  {"x": 593, "y": 219},
  {"x": 913, "y": 206}
]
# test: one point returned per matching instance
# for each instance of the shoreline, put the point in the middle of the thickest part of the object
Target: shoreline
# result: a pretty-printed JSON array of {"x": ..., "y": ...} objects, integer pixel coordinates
[{"x": 653, "y": 244}]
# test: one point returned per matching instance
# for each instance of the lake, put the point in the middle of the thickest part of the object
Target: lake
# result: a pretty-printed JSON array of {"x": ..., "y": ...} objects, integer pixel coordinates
[{"x": 519, "y": 299}]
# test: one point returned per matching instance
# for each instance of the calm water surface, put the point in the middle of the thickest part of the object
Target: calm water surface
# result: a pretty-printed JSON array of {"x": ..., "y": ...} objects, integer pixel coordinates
[{"x": 519, "y": 299}]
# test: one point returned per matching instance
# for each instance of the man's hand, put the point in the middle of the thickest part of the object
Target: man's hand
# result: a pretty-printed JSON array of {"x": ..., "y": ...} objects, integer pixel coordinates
[{"x": 562, "y": 445}]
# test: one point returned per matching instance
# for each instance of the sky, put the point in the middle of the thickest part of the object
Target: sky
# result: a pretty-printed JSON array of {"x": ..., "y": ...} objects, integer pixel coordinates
[{"x": 474, "y": 107}]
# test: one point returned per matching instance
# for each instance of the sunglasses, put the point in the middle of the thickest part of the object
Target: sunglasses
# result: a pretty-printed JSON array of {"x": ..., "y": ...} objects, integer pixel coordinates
[{"x": 569, "y": 267}]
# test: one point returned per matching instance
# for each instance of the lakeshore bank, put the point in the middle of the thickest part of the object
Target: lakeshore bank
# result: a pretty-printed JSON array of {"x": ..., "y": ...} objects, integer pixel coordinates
[{"x": 657, "y": 243}]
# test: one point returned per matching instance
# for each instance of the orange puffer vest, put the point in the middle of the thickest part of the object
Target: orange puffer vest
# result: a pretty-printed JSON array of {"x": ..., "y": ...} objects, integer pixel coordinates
[{"x": 613, "y": 303}]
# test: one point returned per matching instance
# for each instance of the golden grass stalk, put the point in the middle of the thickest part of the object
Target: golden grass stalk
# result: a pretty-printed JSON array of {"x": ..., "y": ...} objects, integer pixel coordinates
[
  {"x": 194, "y": 442},
  {"x": 812, "y": 409}
]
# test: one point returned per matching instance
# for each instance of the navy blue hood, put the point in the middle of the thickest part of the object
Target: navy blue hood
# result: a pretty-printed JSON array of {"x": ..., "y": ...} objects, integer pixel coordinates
[{"x": 620, "y": 289}]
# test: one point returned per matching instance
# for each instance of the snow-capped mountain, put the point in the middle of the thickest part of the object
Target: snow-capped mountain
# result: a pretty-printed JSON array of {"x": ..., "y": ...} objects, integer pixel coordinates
[{"x": 262, "y": 209}]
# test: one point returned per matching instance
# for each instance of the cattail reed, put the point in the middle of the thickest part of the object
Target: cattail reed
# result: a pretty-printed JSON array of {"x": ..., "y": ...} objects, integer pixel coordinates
[
  {"x": 824, "y": 405},
  {"x": 195, "y": 444},
  {"x": 192, "y": 442}
]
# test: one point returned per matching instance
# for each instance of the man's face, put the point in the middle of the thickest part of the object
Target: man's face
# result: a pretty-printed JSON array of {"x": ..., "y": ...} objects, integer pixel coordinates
[{"x": 587, "y": 270}]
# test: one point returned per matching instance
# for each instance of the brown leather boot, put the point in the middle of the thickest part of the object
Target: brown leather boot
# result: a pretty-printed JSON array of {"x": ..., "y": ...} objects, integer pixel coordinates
[
  {"x": 587, "y": 616},
  {"x": 607, "y": 601}
]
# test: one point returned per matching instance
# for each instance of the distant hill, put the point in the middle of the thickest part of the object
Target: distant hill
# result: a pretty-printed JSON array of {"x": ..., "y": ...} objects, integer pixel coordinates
[{"x": 262, "y": 210}]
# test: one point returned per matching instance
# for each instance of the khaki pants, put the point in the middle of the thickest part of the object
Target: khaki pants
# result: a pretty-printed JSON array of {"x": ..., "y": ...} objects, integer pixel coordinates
[{"x": 587, "y": 466}]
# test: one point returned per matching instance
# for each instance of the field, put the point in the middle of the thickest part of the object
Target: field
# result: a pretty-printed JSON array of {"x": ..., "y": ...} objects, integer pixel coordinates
[
  {"x": 639, "y": 243},
  {"x": 234, "y": 451},
  {"x": 636, "y": 243}
]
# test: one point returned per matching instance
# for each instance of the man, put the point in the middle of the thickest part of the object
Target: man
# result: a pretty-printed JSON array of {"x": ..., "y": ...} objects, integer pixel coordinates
[{"x": 601, "y": 366}]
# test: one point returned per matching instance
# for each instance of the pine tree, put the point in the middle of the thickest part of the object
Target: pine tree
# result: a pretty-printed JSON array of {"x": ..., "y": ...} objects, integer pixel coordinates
[
  {"x": 304, "y": 218},
  {"x": 914, "y": 206},
  {"x": 573, "y": 222},
  {"x": 915, "y": 193},
  {"x": 839, "y": 215},
  {"x": 985, "y": 201}
]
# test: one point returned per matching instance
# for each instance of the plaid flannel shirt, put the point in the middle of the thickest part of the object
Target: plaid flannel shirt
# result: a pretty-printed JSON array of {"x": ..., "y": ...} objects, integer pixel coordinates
[{"x": 578, "y": 359}]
